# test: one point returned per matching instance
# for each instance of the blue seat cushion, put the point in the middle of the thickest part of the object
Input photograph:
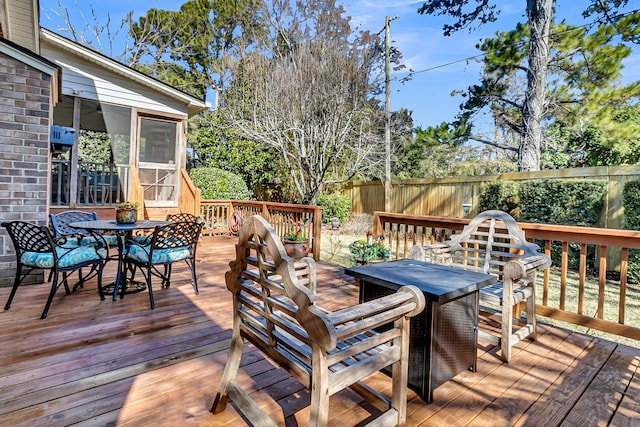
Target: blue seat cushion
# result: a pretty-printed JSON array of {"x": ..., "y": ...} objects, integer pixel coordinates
[
  {"x": 142, "y": 239},
  {"x": 66, "y": 258},
  {"x": 160, "y": 256},
  {"x": 111, "y": 239}
]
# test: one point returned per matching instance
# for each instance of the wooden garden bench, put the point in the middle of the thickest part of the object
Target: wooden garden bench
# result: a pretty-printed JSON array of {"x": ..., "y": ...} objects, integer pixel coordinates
[
  {"x": 493, "y": 243},
  {"x": 274, "y": 308}
]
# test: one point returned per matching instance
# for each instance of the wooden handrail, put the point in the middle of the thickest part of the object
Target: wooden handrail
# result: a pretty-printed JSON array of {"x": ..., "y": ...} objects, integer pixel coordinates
[
  {"x": 611, "y": 253},
  {"x": 136, "y": 192},
  {"x": 218, "y": 218},
  {"x": 189, "y": 201}
]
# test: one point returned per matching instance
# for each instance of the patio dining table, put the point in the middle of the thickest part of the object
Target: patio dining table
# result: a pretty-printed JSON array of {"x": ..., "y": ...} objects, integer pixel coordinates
[{"x": 124, "y": 232}]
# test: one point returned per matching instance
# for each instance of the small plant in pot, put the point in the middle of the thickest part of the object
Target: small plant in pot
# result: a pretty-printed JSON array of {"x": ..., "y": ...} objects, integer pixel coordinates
[
  {"x": 335, "y": 223},
  {"x": 296, "y": 241},
  {"x": 370, "y": 249},
  {"x": 127, "y": 212}
]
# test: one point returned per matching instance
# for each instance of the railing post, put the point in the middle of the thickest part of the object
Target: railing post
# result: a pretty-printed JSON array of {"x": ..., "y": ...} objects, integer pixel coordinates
[
  {"x": 317, "y": 232},
  {"x": 377, "y": 224},
  {"x": 265, "y": 212}
]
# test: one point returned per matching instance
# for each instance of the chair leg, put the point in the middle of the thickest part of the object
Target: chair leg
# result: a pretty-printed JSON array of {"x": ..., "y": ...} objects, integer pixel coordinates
[
  {"x": 148, "y": 277},
  {"x": 507, "y": 330},
  {"x": 400, "y": 372},
  {"x": 320, "y": 389},
  {"x": 16, "y": 283},
  {"x": 531, "y": 306},
  {"x": 166, "y": 277},
  {"x": 100, "y": 290},
  {"x": 54, "y": 288},
  {"x": 230, "y": 371},
  {"x": 194, "y": 280}
]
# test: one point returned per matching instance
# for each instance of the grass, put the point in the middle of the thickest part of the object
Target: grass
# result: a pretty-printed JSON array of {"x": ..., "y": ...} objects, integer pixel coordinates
[{"x": 335, "y": 249}]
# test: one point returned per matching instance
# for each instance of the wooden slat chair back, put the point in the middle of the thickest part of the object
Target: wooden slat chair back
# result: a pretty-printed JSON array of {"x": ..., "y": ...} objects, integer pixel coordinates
[
  {"x": 493, "y": 243},
  {"x": 275, "y": 309}
]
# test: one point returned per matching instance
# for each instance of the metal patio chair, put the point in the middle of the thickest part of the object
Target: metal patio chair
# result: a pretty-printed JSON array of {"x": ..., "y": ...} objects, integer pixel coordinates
[
  {"x": 167, "y": 245},
  {"x": 36, "y": 249}
]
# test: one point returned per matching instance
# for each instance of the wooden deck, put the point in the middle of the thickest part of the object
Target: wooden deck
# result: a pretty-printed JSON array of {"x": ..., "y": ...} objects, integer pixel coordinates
[{"x": 106, "y": 363}]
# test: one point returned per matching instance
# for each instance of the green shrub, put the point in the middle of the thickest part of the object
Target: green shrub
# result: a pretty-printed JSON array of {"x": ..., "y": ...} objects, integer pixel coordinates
[
  {"x": 334, "y": 206},
  {"x": 562, "y": 202},
  {"x": 631, "y": 203},
  {"x": 499, "y": 195},
  {"x": 219, "y": 184},
  {"x": 550, "y": 202}
]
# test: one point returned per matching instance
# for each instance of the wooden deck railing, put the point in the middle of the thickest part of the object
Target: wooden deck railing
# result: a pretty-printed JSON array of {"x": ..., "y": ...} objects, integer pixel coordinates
[
  {"x": 574, "y": 296},
  {"x": 221, "y": 217}
]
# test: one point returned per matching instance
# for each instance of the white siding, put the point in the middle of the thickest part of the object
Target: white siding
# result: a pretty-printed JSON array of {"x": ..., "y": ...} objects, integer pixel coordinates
[
  {"x": 21, "y": 23},
  {"x": 87, "y": 80}
]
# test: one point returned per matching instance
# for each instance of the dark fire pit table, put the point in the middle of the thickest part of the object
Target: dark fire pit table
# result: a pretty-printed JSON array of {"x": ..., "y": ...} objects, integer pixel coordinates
[{"x": 443, "y": 338}]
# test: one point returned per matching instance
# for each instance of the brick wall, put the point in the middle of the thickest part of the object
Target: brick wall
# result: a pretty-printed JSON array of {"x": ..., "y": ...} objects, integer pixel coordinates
[{"x": 24, "y": 152}]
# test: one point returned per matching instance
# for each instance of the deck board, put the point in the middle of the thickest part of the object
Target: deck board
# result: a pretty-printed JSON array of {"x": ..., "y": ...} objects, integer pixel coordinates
[{"x": 118, "y": 363}]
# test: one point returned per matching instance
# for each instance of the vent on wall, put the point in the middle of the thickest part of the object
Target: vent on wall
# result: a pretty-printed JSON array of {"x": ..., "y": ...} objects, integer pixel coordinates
[{"x": 61, "y": 138}]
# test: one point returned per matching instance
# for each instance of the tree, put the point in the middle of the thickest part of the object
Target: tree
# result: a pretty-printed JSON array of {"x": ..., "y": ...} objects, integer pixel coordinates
[
  {"x": 583, "y": 92},
  {"x": 195, "y": 48},
  {"x": 310, "y": 97},
  {"x": 441, "y": 151},
  {"x": 217, "y": 144},
  {"x": 192, "y": 49},
  {"x": 539, "y": 15},
  {"x": 310, "y": 107}
]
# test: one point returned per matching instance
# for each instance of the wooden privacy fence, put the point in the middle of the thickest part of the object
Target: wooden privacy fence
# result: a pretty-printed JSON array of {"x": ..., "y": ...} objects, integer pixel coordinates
[
  {"x": 599, "y": 303},
  {"x": 446, "y": 196},
  {"x": 226, "y": 217}
]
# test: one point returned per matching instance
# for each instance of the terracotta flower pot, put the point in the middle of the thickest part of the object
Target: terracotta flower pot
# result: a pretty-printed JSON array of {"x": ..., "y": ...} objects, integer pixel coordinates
[{"x": 296, "y": 249}]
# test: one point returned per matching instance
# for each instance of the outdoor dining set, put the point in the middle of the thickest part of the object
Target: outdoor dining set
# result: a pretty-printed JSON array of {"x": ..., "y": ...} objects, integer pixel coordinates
[{"x": 78, "y": 241}]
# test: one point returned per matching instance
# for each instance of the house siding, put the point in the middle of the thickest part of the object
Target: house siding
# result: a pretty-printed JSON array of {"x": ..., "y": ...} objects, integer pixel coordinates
[
  {"x": 24, "y": 153},
  {"x": 85, "y": 79}
]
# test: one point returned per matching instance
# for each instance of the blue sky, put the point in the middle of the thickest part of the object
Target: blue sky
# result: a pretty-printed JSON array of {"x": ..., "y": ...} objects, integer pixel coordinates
[{"x": 419, "y": 38}]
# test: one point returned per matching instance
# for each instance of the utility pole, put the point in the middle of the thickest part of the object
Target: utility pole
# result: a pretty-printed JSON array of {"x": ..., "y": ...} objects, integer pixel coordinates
[{"x": 387, "y": 110}]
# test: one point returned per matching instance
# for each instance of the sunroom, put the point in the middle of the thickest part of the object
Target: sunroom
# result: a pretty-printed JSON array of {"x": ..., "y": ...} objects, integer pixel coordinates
[{"x": 117, "y": 134}]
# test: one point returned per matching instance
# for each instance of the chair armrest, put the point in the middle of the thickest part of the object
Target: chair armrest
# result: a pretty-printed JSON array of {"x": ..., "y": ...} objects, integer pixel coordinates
[
  {"x": 306, "y": 273},
  {"x": 98, "y": 244},
  {"x": 518, "y": 268},
  {"x": 143, "y": 242},
  {"x": 437, "y": 253},
  {"x": 408, "y": 301}
]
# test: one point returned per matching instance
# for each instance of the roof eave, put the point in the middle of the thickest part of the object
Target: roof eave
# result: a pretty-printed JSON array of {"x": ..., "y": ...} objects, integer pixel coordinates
[{"x": 194, "y": 105}]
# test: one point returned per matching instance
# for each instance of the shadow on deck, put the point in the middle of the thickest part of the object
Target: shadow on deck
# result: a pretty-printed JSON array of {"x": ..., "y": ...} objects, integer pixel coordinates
[{"x": 95, "y": 362}]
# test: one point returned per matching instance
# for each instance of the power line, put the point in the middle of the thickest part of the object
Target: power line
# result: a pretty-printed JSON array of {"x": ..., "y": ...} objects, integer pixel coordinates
[{"x": 514, "y": 45}]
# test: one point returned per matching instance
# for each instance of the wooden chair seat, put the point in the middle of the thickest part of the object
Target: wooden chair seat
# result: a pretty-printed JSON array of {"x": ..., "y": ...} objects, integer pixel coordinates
[{"x": 327, "y": 351}]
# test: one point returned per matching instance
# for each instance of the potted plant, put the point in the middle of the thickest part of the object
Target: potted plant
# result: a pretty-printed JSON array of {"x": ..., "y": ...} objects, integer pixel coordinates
[
  {"x": 335, "y": 223},
  {"x": 369, "y": 249},
  {"x": 127, "y": 212},
  {"x": 296, "y": 241}
]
